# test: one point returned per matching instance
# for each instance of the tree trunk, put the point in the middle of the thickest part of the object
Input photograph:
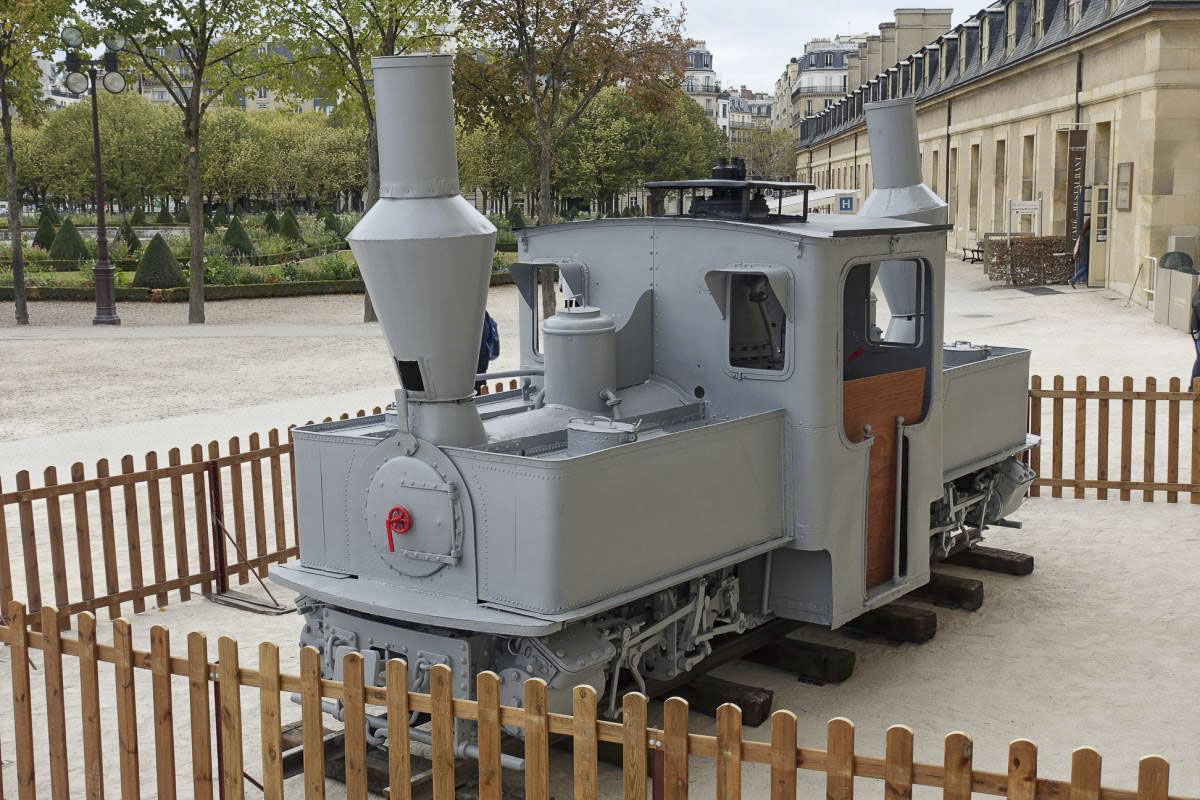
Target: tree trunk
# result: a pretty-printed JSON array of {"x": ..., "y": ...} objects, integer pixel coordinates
[
  {"x": 371, "y": 196},
  {"x": 195, "y": 190},
  {"x": 14, "y": 211},
  {"x": 545, "y": 216}
]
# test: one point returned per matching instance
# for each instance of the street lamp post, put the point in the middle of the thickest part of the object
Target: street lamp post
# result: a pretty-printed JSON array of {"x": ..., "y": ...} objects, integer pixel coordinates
[{"x": 79, "y": 82}]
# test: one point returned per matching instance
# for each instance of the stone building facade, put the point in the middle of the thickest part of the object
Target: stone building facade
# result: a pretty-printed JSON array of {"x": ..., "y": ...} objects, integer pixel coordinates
[{"x": 1059, "y": 102}]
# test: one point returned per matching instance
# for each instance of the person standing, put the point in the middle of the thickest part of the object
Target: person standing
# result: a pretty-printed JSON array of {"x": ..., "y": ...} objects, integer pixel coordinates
[
  {"x": 1082, "y": 253},
  {"x": 1194, "y": 327},
  {"x": 489, "y": 348}
]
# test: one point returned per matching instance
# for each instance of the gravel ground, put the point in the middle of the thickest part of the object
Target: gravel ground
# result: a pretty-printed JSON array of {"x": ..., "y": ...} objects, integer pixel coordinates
[{"x": 1098, "y": 647}]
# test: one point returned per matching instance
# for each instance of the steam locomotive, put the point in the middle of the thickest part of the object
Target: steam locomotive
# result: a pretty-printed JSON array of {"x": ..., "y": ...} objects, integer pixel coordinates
[{"x": 734, "y": 414}]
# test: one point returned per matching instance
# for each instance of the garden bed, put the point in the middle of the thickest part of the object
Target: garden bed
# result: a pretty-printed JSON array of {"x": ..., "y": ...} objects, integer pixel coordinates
[{"x": 179, "y": 294}]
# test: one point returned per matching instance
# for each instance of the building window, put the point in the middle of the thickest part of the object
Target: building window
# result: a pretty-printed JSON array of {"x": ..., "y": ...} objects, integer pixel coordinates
[
  {"x": 844, "y": 79},
  {"x": 812, "y": 61},
  {"x": 937, "y": 171},
  {"x": 158, "y": 95},
  {"x": 962, "y": 56},
  {"x": 691, "y": 86},
  {"x": 262, "y": 94},
  {"x": 1039, "y": 11},
  {"x": 829, "y": 59},
  {"x": 1074, "y": 11},
  {"x": 808, "y": 107},
  {"x": 1010, "y": 41},
  {"x": 985, "y": 40}
]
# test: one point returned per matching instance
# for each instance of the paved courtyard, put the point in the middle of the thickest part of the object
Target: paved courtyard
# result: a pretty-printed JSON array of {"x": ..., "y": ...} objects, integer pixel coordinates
[{"x": 1100, "y": 646}]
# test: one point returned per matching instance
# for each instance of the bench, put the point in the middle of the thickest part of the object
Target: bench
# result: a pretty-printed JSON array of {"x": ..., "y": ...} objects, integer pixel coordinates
[{"x": 973, "y": 255}]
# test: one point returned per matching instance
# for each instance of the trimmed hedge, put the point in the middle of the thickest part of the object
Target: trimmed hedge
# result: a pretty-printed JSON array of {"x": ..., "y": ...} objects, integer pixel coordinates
[
  {"x": 236, "y": 240},
  {"x": 220, "y": 216},
  {"x": 45, "y": 232},
  {"x": 130, "y": 237},
  {"x": 52, "y": 212},
  {"x": 180, "y": 293},
  {"x": 138, "y": 217},
  {"x": 289, "y": 227},
  {"x": 68, "y": 244},
  {"x": 159, "y": 269},
  {"x": 331, "y": 224},
  {"x": 271, "y": 222},
  {"x": 182, "y": 216}
]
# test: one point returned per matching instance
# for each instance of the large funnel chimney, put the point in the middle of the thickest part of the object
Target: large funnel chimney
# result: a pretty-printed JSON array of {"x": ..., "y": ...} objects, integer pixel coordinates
[
  {"x": 424, "y": 252},
  {"x": 899, "y": 193}
]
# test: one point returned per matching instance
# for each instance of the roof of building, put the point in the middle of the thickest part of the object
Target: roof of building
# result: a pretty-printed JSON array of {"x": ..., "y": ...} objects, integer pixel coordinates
[{"x": 901, "y": 80}]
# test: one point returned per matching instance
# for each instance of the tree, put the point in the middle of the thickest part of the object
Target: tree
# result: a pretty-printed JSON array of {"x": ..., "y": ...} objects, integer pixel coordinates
[
  {"x": 25, "y": 30},
  {"x": 158, "y": 268},
  {"x": 220, "y": 45},
  {"x": 138, "y": 217},
  {"x": 334, "y": 40},
  {"x": 770, "y": 154},
  {"x": 542, "y": 62}
]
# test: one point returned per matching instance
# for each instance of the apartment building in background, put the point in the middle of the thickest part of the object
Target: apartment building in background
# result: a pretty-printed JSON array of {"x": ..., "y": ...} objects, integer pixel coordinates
[{"x": 1052, "y": 104}]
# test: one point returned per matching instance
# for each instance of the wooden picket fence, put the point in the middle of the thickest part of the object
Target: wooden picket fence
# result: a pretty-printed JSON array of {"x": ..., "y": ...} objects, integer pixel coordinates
[
  {"x": 170, "y": 512},
  {"x": 174, "y": 516},
  {"x": 1085, "y": 453},
  {"x": 215, "y": 701}
]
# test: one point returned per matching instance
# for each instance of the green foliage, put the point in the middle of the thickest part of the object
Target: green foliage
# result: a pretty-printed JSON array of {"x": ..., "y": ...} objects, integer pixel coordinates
[
  {"x": 516, "y": 219},
  {"x": 45, "y": 232},
  {"x": 208, "y": 224},
  {"x": 499, "y": 263},
  {"x": 164, "y": 217},
  {"x": 52, "y": 213},
  {"x": 271, "y": 222},
  {"x": 289, "y": 228},
  {"x": 331, "y": 224},
  {"x": 138, "y": 217},
  {"x": 68, "y": 244},
  {"x": 158, "y": 268},
  {"x": 129, "y": 237},
  {"x": 237, "y": 241},
  {"x": 220, "y": 216},
  {"x": 182, "y": 216}
]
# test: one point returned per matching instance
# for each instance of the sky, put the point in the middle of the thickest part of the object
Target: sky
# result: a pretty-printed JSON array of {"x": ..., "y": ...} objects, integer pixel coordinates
[{"x": 752, "y": 40}]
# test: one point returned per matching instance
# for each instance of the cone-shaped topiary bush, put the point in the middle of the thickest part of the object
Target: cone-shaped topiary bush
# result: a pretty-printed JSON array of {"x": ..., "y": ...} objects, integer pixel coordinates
[
  {"x": 331, "y": 223},
  {"x": 237, "y": 241},
  {"x": 182, "y": 216},
  {"x": 138, "y": 217},
  {"x": 271, "y": 222},
  {"x": 129, "y": 237},
  {"x": 52, "y": 212},
  {"x": 68, "y": 244},
  {"x": 516, "y": 219},
  {"x": 45, "y": 232},
  {"x": 220, "y": 216},
  {"x": 164, "y": 217},
  {"x": 289, "y": 228},
  {"x": 158, "y": 269}
]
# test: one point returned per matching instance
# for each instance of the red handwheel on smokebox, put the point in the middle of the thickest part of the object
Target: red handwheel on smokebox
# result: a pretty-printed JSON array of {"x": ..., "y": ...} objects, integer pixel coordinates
[{"x": 398, "y": 521}]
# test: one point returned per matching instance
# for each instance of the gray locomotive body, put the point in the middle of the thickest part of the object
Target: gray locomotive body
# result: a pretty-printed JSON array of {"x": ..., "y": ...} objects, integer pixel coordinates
[{"x": 726, "y": 420}]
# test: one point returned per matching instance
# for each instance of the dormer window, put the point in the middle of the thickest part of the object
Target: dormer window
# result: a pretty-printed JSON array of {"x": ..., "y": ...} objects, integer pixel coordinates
[
  {"x": 1011, "y": 34},
  {"x": 985, "y": 40},
  {"x": 1039, "y": 12},
  {"x": 829, "y": 59},
  {"x": 1074, "y": 11}
]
